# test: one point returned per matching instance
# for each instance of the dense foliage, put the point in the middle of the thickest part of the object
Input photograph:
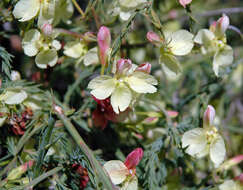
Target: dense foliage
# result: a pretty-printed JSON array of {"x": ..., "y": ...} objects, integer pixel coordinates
[{"x": 121, "y": 94}]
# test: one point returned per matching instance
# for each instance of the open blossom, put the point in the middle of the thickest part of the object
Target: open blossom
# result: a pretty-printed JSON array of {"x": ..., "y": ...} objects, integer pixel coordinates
[
  {"x": 128, "y": 80},
  {"x": 231, "y": 185},
  {"x": 178, "y": 43},
  {"x": 120, "y": 172},
  {"x": 48, "y": 11},
  {"x": 44, "y": 47},
  {"x": 185, "y": 2},
  {"x": 200, "y": 142},
  {"x": 213, "y": 42}
]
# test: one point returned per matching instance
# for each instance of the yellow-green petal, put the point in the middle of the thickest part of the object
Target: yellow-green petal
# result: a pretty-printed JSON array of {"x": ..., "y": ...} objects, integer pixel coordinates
[
  {"x": 30, "y": 42},
  {"x": 181, "y": 42},
  {"x": 91, "y": 57},
  {"x": 131, "y": 184},
  {"x": 195, "y": 140},
  {"x": 121, "y": 98},
  {"x": 217, "y": 151},
  {"x": 222, "y": 58},
  {"x": 74, "y": 49},
  {"x": 170, "y": 62},
  {"x": 12, "y": 97},
  {"x": 102, "y": 87},
  {"x": 26, "y": 9},
  {"x": 117, "y": 171},
  {"x": 130, "y": 4},
  {"x": 4, "y": 117},
  {"x": 47, "y": 10},
  {"x": 142, "y": 85},
  {"x": 204, "y": 36},
  {"x": 229, "y": 185},
  {"x": 45, "y": 58}
]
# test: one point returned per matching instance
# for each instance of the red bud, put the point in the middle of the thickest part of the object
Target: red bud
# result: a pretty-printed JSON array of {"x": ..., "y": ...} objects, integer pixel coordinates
[
  {"x": 145, "y": 67},
  {"x": 134, "y": 158}
]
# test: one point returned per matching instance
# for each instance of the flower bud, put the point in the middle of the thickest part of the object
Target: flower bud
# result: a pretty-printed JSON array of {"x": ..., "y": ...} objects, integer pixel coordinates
[
  {"x": 104, "y": 40},
  {"x": 172, "y": 113},
  {"x": 185, "y": 2},
  {"x": 134, "y": 158},
  {"x": 222, "y": 25},
  {"x": 213, "y": 26},
  {"x": 240, "y": 178},
  {"x": 122, "y": 66},
  {"x": 209, "y": 116},
  {"x": 154, "y": 38},
  {"x": 232, "y": 162},
  {"x": 47, "y": 29},
  {"x": 145, "y": 67}
]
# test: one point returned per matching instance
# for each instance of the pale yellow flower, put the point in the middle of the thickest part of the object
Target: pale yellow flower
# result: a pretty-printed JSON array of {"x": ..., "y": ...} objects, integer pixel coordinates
[
  {"x": 200, "y": 142},
  {"x": 230, "y": 185},
  {"x": 121, "y": 87}
]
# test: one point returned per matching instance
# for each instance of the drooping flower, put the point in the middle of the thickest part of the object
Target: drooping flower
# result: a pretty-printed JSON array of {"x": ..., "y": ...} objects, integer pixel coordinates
[
  {"x": 214, "y": 43},
  {"x": 104, "y": 113},
  {"x": 128, "y": 79},
  {"x": 44, "y": 47},
  {"x": 178, "y": 43},
  {"x": 125, "y": 172},
  {"x": 200, "y": 142}
]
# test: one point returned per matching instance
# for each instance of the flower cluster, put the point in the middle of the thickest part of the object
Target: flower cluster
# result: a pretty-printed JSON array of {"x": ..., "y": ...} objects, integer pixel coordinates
[
  {"x": 125, "y": 172},
  {"x": 200, "y": 142}
]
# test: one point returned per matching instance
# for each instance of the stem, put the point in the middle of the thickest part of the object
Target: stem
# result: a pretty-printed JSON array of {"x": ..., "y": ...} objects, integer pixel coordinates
[
  {"x": 102, "y": 72},
  {"x": 94, "y": 163},
  {"x": 78, "y": 8}
]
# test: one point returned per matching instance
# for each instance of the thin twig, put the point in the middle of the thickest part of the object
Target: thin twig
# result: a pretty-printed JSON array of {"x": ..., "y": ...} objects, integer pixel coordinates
[{"x": 78, "y": 8}]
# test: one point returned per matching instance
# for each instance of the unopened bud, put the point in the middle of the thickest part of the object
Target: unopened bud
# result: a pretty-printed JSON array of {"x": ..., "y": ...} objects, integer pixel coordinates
[
  {"x": 172, "y": 113},
  {"x": 239, "y": 178},
  {"x": 184, "y": 3},
  {"x": 134, "y": 158},
  {"x": 145, "y": 67},
  {"x": 154, "y": 38},
  {"x": 213, "y": 26},
  {"x": 222, "y": 25},
  {"x": 104, "y": 40},
  {"x": 122, "y": 66},
  {"x": 209, "y": 116},
  {"x": 58, "y": 109},
  {"x": 47, "y": 29}
]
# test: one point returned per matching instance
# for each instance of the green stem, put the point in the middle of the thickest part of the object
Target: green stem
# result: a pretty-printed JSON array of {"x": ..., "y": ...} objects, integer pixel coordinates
[
  {"x": 102, "y": 72},
  {"x": 78, "y": 8},
  {"x": 94, "y": 163}
]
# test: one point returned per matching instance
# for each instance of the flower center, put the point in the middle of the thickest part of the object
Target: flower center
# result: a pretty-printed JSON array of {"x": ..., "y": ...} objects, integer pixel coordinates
[{"x": 211, "y": 134}]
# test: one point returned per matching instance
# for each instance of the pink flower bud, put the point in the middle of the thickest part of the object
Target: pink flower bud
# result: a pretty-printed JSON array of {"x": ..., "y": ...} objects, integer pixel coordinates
[
  {"x": 223, "y": 23},
  {"x": 47, "y": 29},
  {"x": 213, "y": 26},
  {"x": 104, "y": 40},
  {"x": 172, "y": 113},
  {"x": 232, "y": 162},
  {"x": 154, "y": 38},
  {"x": 185, "y": 2},
  {"x": 145, "y": 67},
  {"x": 134, "y": 158},
  {"x": 58, "y": 109},
  {"x": 27, "y": 165},
  {"x": 122, "y": 66},
  {"x": 209, "y": 116}
]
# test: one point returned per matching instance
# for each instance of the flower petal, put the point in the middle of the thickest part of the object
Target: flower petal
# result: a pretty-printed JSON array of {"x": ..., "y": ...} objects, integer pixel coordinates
[
  {"x": 142, "y": 83},
  {"x": 131, "y": 184},
  {"x": 121, "y": 98},
  {"x": 45, "y": 58},
  {"x": 228, "y": 185},
  {"x": 217, "y": 151},
  {"x": 116, "y": 170},
  {"x": 102, "y": 87},
  {"x": 204, "y": 36},
  {"x": 222, "y": 58},
  {"x": 26, "y": 9},
  {"x": 181, "y": 42},
  {"x": 91, "y": 57},
  {"x": 195, "y": 140},
  {"x": 133, "y": 159},
  {"x": 74, "y": 49},
  {"x": 30, "y": 42},
  {"x": 170, "y": 62},
  {"x": 13, "y": 96}
]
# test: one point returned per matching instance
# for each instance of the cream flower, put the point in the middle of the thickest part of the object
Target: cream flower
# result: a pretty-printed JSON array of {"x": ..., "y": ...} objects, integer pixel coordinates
[
  {"x": 178, "y": 43},
  {"x": 44, "y": 47},
  {"x": 213, "y": 42},
  {"x": 200, "y": 142},
  {"x": 121, "y": 87},
  {"x": 230, "y": 185}
]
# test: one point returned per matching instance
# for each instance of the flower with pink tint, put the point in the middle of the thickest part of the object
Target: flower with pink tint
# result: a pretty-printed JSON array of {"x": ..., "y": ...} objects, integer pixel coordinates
[
  {"x": 209, "y": 116},
  {"x": 154, "y": 38},
  {"x": 120, "y": 172},
  {"x": 145, "y": 67},
  {"x": 172, "y": 113},
  {"x": 104, "y": 40},
  {"x": 184, "y": 3}
]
